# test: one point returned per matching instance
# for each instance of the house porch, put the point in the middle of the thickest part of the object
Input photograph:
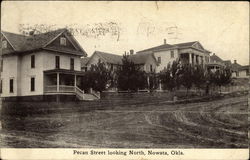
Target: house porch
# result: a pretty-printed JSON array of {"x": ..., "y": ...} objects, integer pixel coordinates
[{"x": 60, "y": 81}]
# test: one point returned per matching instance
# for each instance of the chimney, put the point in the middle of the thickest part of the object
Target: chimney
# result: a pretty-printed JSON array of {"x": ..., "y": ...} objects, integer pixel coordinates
[
  {"x": 235, "y": 61},
  {"x": 165, "y": 41},
  {"x": 131, "y": 52}
]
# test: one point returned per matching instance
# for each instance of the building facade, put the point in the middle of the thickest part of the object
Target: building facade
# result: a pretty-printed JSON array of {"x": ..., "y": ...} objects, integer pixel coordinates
[
  {"x": 41, "y": 64},
  {"x": 244, "y": 71},
  {"x": 190, "y": 52}
]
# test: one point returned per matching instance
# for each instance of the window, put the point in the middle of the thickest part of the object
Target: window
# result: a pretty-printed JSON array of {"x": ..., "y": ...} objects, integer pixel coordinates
[
  {"x": 1, "y": 86},
  {"x": 63, "y": 41},
  {"x": 11, "y": 85},
  {"x": 151, "y": 68},
  {"x": 32, "y": 84},
  {"x": 57, "y": 62},
  {"x": 159, "y": 60},
  {"x": 4, "y": 44},
  {"x": 33, "y": 61},
  {"x": 172, "y": 54},
  {"x": 72, "y": 63}
]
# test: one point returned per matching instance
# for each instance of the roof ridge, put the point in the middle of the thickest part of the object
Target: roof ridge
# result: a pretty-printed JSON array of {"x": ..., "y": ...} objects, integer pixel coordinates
[
  {"x": 186, "y": 42},
  {"x": 107, "y": 53},
  {"x": 148, "y": 49},
  {"x": 17, "y": 34}
]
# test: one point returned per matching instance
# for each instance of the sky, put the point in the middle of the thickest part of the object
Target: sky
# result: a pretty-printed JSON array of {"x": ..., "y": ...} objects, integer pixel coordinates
[{"x": 116, "y": 27}]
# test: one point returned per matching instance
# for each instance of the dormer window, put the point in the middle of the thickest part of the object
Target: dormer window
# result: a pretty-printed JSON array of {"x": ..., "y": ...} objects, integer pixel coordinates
[
  {"x": 4, "y": 44},
  {"x": 63, "y": 41}
]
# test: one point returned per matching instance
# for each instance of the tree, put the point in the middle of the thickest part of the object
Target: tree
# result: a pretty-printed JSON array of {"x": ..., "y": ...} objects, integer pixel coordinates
[
  {"x": 187, "y": 73},
  {"x": 210, "y": 79},
  {"x": 97, "y": 77},
  {"x": 171, "y": 76},
  {"x": 223, "y": 77},
  {"x": 129, "y": 76},
  {"x": 167, "y": 79},
  {"x": 199, "y": 77},
  {"x": 153, "y": 81}
]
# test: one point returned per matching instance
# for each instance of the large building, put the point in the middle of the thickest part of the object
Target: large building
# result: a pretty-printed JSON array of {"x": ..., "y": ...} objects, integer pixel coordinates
[
  {"x": 41, "y": 64},
  {"x": 190, "y": 52}
]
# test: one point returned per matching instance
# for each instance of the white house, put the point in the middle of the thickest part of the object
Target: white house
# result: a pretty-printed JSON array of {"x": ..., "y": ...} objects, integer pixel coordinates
[
  {"x": 41, "y": 64},
  {"x": 190, "y": 52},
  {"x": 244, "y": 71},
  {"x": 146, "y": 63}
]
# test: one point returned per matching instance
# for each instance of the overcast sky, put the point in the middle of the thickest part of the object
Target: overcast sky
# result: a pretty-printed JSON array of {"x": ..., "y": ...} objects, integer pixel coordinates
[{"x": 221, "y": 27}]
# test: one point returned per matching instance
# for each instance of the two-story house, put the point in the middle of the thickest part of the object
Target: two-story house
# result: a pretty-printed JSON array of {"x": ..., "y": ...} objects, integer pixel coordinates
[
  {"x": 41, "y": 64},
  {"x": 190, "y": 52},
  {"x": 146, "y": 63}
]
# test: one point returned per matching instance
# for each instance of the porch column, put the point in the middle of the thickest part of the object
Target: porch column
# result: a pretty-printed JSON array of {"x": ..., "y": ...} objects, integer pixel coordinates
[
  {"x": 196, "y": 59},
  {"x": 190, "y": 58},
  {"x": 75, "y": 82},
  {"x": 57, "y": 81}
]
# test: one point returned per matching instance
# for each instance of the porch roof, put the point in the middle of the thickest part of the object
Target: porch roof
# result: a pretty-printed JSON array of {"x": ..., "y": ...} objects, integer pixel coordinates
[{"x": 64, "y": 71}]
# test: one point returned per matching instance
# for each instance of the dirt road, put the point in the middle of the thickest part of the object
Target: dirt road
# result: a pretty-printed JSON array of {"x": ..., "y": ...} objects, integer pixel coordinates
[{"x": 215, "y": 124}]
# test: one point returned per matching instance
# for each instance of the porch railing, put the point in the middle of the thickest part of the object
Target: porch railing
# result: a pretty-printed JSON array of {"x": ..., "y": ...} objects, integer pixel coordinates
[
  {"x": 51, "y": 88},
  {"x": 96, "y": 94},
  {"x": 62, "y": 88},
  {"x": 79, "y": 93}
]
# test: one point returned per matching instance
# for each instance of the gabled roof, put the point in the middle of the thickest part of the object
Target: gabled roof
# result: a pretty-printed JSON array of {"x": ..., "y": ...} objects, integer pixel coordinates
[
  {"x": 215, "y": 58},
  {"x": 141, "y": 58},
  {"x": 117, "y": 59},
  {"x": 186, "y": 44},
  {"x": 22, "y": 43},
  {"x": 235, "y": 66},
  {"x": 84, "y": 61},
  {"x": 227, "y": 62},
  {"x": 247, "y": 67},
  {"x": 169, "y": 46},
  {"x": 108, "y": 57},
  {"x": 164, "y": 46}
]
